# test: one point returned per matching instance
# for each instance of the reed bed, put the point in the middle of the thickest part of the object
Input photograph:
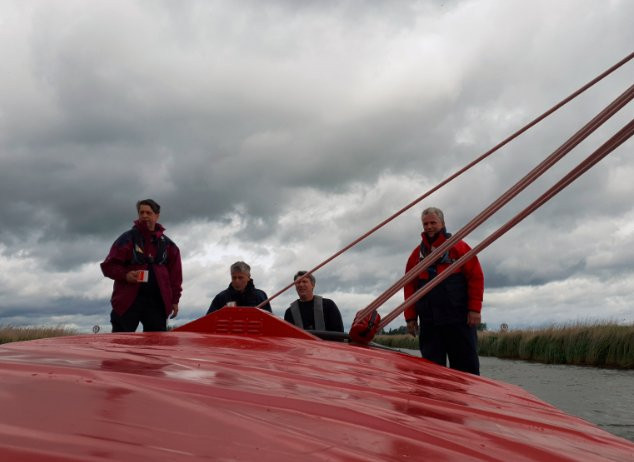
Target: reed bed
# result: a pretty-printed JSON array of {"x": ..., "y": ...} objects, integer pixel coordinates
[
  {"x": 598, "y": 345},
  {"x": 19, "y": 334},
  {"x": 404, "y": 341}
]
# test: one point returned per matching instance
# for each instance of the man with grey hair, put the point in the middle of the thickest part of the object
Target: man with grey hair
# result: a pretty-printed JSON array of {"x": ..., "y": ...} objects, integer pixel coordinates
[
  {"x": 310, "y": 311},
  {"x": 241, "y": 290},
  {"x": 450, "y": 313}
]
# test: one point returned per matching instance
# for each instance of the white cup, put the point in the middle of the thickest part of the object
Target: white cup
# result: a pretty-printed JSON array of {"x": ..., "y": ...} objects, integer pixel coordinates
[{"x": 143, "y": 276}]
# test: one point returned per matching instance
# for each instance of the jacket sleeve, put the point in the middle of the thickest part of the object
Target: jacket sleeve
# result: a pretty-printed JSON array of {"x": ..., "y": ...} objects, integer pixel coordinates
[
  {"x": 333, "y": 316},
  {"x": 475, "y": 280},
  {"x": 216, "y": 304},
  {"x": 288, "y": 316},
  {"x": 263, "y": 296},
  {"x": 410, "y": 287},
  {"x": 116, "y": 265},
  {"x": 175, "y": 272}
]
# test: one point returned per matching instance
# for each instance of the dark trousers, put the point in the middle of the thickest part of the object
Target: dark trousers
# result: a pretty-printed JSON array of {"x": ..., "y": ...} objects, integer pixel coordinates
[
  {"x": 457, "y": 341},
  {"x": 148, "y": 311}
]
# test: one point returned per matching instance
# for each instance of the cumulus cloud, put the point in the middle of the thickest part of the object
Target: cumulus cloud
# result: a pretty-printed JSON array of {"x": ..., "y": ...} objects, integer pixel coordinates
[{"x": 278, "y": 133}]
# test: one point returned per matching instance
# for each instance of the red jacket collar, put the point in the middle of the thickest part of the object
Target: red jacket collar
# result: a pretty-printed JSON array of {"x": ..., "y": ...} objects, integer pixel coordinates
[
  {"x": 158, "y": 229},
  {"x": 438, "y": 241}
]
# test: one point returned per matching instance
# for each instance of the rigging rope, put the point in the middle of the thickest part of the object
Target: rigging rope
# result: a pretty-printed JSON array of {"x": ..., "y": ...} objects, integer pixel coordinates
[
  {"x": 513, "y": 191},
  {"x": 615, "y": 141},
  {"x": 459, "y": 172}
]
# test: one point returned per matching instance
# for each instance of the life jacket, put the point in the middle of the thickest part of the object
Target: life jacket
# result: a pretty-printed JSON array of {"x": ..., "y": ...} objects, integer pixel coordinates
[
  {"x": 318, "y": 314},
  {"x": 447, "y": 302},
  {"x": 445, "y": 259},
  {"x": 140, "y": 258}
]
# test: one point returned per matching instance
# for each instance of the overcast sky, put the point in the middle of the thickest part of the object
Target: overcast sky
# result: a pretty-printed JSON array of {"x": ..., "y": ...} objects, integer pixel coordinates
[{"x": 277, "y": 132}]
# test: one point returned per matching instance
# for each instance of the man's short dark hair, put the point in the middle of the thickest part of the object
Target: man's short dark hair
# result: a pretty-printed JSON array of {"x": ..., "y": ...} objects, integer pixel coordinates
[
  {"x": 301, "y": 273},
  {"x": 149, "y": 202}
]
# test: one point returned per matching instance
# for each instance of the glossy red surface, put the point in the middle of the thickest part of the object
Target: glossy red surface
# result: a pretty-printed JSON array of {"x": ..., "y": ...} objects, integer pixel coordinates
[{"x": 202, "y": 396}]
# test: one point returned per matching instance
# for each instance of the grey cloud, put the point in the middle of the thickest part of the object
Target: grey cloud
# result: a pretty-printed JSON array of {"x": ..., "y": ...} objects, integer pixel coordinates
[
  {"x": 228, "y": 114},
  {"x": 27, "y": 311}
]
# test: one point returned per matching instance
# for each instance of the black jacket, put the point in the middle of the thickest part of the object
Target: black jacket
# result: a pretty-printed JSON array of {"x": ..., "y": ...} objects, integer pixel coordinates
[
  {"x": 446, "y": 303},
  {"x": 250, "y": 297}
]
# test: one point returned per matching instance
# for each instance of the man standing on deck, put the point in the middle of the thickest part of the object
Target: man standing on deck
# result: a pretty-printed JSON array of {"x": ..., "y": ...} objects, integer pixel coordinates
[
  {"x": 146, "y": 267},
  {"x": 310, "y": 311},
  {"x": 241, "y": 290},
  {"x": 450, "y": 313}
]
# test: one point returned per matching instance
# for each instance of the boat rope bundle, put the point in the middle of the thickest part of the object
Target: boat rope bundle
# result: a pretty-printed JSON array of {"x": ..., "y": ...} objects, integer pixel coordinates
[{"x": 367, "y": 322}]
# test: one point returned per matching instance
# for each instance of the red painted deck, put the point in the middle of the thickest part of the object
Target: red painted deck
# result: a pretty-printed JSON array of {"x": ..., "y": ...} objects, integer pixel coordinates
[{"x": 271, "y": 394}]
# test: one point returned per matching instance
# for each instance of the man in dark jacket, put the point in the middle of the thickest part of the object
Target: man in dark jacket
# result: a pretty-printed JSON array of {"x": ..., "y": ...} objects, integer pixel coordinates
[
  {"x": 241, "y": 290},
  {"x": 146, "y": 267},
  {"x": 310, "y": 311},
  {"x": 450, "y": 313}
]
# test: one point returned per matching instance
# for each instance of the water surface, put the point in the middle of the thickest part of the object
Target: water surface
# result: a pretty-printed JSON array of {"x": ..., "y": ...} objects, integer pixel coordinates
[{"x": 604, "y": 397}]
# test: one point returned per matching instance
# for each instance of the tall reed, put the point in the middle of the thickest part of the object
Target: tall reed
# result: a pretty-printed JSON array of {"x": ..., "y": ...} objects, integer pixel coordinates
[
  {"x": 404, "y": 341},
  {"x": 599, "y": 345},
  {"x": 19, "y": 334}
]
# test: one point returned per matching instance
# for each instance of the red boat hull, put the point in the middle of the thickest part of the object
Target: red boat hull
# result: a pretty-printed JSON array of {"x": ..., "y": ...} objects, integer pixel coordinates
[{"x": 268, "y": 396}]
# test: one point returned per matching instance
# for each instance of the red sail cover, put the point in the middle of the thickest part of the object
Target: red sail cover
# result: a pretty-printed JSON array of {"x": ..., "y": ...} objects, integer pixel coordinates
[{"x": 267, "y": 393}]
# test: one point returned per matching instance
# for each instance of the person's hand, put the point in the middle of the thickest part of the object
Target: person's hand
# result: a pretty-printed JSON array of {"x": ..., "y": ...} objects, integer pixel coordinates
[
  {"x": 174, "y": 311},
  {"x": 132, "y": 276},
  {"x": 412, "y": 327},
  {"x": 473, "y": 319}
]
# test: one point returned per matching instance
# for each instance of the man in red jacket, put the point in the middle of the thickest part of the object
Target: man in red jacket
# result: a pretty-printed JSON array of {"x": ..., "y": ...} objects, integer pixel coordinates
[
  {"x": 450, "y": 313},
  {"x": 146, "y": 267}
]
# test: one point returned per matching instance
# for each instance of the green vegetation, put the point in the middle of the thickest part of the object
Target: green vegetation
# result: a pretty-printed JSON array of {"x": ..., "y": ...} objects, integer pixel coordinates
[
  {"x": 401, "y": 330},
  {"x": 18, "y": 334},
  {"x": 404, "y": 341},
  {"x": 599, "y": 345}
]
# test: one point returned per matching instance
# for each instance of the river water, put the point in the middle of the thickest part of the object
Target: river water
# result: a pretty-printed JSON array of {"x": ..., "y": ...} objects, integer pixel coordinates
[{"x": 604, "y": 397}]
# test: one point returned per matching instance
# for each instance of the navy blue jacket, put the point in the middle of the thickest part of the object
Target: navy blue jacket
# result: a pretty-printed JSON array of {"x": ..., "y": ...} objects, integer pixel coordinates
[{"x": 250, "y": 297}]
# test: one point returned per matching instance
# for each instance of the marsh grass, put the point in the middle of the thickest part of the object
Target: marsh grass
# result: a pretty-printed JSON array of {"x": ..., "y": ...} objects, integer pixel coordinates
[
  {"x": 405, "y": 341},
  {"x": 598, "y": 345},
  {"x": 19, "y": 334}
]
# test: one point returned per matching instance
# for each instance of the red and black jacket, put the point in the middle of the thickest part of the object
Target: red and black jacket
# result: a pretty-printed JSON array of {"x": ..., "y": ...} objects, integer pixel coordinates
[
  {"x": 142, "y": 249},
  {"x": 451, "y": 300}
]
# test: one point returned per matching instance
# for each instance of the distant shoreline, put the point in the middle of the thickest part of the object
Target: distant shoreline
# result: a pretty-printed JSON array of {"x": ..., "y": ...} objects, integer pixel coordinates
[{"x": 598, "y": 345}]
